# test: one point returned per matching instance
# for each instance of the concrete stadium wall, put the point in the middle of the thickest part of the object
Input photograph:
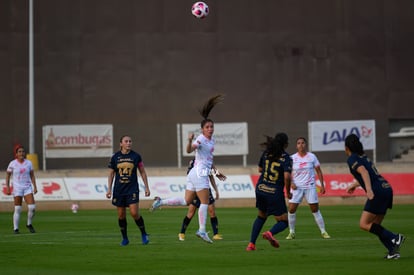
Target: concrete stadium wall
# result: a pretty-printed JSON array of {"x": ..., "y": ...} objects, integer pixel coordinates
[{"x": 145, "y": 66}]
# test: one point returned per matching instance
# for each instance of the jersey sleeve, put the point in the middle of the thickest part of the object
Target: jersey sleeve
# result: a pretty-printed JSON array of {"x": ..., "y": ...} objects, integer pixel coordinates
[
  {"x": 353, "y": 162},
  {"x": 111, "y": 163}
]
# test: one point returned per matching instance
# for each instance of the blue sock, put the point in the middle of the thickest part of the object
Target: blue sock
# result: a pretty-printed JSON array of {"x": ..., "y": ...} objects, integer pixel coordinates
[
  {"x": 257, "y": 227},
  {"x": 279, "y": 227}
]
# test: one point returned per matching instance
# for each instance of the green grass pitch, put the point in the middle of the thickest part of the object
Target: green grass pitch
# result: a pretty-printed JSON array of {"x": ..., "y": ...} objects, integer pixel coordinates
[{"x": 88, "y": 243}]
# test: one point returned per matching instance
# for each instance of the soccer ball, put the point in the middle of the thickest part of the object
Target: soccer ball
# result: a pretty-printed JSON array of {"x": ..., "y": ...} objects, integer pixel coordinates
[
  {"x": 199, "y": 10},
  {"x": 75, "y": 208}
]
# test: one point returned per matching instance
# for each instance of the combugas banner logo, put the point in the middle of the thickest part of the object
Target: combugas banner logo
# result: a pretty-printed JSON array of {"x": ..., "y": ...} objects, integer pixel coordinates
[{"x": 82, "y": 141}]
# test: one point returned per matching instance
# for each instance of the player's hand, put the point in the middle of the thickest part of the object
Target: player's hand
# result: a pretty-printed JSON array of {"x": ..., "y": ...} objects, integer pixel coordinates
[
  {"x": 322, "y": 190},
  {"x": 108, "y": 194},
  {"x": 293, "y": 186},
  {"x": 350, "y": 189},
  {"x": 147, "y": 192},
  {"x": 220, "y": 176}
]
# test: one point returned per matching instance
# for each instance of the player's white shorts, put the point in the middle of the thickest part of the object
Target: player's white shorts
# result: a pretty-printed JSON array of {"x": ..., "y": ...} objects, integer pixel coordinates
[
  {"x": 19, "y": 191},
  {"x": 311, "y": 195},
  {"x": 197, "y": 182}
]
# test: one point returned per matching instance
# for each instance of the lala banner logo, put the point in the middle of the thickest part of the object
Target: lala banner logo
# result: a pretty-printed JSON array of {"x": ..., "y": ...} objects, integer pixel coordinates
[{"x": 330, "y": 135}]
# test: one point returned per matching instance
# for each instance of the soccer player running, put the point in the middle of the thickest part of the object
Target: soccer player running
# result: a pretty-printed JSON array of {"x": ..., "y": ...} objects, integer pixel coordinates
[
  {"x": 24, "y": 186},
  {"x": 123, "y": 168},
  {"x": 379, "y": 196},
  {"x": 304, "y": 165},
  {"x": 274, "y": 168}
]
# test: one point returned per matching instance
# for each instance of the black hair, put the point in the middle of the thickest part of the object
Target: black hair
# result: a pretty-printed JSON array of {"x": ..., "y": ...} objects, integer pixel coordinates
[
  {"x": 275, "y": 147},
  {"x": 354, "y": 145},
  {"x": 208, "y": 106},
  {"x": 122, "y": 137},
  {"x": 304, "y": 139}
]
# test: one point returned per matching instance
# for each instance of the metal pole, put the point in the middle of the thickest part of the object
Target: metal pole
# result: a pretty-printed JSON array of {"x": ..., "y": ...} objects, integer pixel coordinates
[{"x": 31, "y": 82}]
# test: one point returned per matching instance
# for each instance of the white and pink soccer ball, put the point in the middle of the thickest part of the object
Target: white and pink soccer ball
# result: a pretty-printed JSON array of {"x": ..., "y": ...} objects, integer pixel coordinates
[
  {"x": 199, "y": 10},
  {"x": 74, "y": 208}
]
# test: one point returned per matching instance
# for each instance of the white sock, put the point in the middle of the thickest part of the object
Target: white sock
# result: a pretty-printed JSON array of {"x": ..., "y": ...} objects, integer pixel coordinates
[
  {"x": 30, "y": 213},
  {"x": 202, "y": 217},
  {"x": 174, "y": 201},
  {"x": 16, "y": 216},
  {"x": 292, "y": 222},
  {"x": 319, "y": 221}
]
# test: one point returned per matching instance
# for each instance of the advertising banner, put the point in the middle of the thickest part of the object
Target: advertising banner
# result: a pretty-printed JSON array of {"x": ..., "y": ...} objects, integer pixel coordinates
[
  {"x": 330, "y": 135},
  {"x": 48, "y": 189},
  {"x": 236, "y": 186},
  {"x": 87, "y": 188},
  {"x": 337, "y": 184},
  {"x": 78, "y": 141},
  {"x": 230, "y": 138}
]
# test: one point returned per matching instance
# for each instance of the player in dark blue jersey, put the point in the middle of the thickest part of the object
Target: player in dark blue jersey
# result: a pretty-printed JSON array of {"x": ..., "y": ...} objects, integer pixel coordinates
[
  {"x": 379, "y": 194},
  {"x": 275, "y": 167},
  {"x": 123, "y": 168}
]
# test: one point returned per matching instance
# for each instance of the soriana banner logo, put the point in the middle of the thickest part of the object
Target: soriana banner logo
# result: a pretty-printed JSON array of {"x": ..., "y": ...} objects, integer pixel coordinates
[{"x": 337, "y": 184}]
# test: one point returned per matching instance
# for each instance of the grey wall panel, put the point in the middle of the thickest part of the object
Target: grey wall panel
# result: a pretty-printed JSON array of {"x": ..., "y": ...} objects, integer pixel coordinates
[{"x": 146, "y": 65}]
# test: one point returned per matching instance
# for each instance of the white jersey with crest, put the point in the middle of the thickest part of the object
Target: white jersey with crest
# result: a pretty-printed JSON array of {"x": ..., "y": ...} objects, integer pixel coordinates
[
  {"x": 203, "y": 155},
  {"x": 303, "y": 170},
  {"x": 20, "y": 173}
]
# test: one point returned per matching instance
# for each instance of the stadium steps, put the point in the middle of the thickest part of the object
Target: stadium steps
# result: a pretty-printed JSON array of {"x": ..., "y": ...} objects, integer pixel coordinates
[{"x": 406, "y": 156}]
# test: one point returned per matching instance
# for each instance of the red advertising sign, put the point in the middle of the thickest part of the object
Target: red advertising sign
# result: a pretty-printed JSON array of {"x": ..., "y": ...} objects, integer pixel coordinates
[{"x": 336, "y": 184}]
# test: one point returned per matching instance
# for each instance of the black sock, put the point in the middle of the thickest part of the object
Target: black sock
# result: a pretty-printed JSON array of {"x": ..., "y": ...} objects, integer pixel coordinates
[
  {"x": 381, "y": 232},
  {"x": 214, "y": 225},
  {"x": 123, "y": 226},
  {"x": 141, "y": 225},
  {"x": 185, "y": 224}
]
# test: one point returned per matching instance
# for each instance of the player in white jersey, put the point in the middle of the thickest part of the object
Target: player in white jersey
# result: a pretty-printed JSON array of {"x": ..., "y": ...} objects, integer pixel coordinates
[
  {"x": 198, "y": 178},
  {"x": 24, "y": 186},
  {"x": 304, "y": 165}
]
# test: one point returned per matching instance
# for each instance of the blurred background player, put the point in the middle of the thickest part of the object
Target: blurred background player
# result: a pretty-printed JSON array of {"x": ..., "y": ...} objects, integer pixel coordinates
[
  {"x": 274, "y": 168},
  {"x": 24, "y": 186},
  {"x": 123, "y": 168},
  {"x": 379, "y": 196},
  {"x": 304, "y": 165}
]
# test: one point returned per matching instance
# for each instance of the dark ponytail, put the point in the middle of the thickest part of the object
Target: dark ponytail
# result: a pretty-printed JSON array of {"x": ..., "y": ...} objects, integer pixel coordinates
[
  {"x": 354, "y": 145},
  {"x": 275, "y": 147},
  {"x": 208, "y": 106}
]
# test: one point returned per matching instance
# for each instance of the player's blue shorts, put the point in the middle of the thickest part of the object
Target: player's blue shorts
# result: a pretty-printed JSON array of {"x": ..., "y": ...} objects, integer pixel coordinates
[
  {"x": 125, "y": 200},
  {"x": 196, "y": 202},
  {"x": 270, "y": 200},
  {"x": 383, "y": 197}
]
